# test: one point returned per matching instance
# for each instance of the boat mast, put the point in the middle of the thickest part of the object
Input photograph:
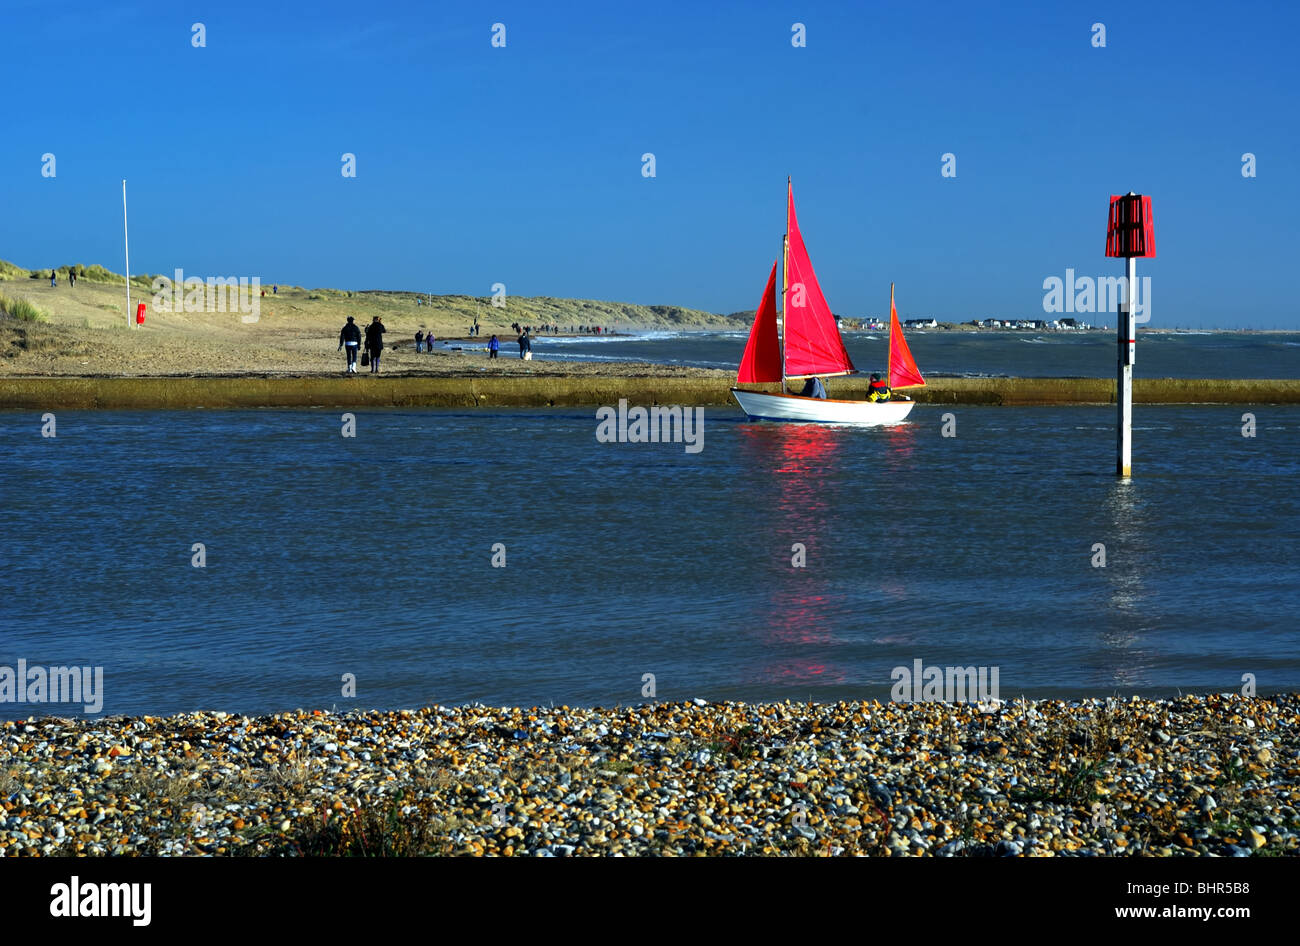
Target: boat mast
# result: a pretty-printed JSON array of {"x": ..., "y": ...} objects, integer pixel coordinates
[
  {"x": 785, "y": 275},
  {"x": 889, "y": 371}
]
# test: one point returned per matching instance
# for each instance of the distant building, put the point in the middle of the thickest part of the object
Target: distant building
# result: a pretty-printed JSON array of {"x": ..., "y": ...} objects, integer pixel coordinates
[{"x": 921, "y": 323}]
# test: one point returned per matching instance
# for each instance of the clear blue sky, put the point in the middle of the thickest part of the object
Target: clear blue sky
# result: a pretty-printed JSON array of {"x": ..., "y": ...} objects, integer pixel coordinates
[{"x": 522, "y": 165}]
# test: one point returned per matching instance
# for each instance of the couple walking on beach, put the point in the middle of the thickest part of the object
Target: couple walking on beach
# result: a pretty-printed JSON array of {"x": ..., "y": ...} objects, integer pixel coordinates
[{"x": 350, "y": 338}]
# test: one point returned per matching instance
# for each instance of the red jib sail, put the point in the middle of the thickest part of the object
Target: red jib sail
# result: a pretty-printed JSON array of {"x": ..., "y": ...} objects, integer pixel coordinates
[
  {"x": 762, "y": 359},
  {"x": 903, "y": 372},
  {"x": 812, "y": 342}
]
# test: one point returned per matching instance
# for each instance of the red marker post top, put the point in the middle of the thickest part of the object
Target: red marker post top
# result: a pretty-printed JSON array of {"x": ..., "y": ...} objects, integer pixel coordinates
[{"x": 1130, "y": 231}]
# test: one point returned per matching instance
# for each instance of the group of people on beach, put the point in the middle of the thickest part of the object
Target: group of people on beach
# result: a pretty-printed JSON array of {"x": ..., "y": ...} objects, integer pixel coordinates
[
  {"x": 351, "y": 338},
  {"x": 552, "y": 329},
  {"x": 525, "y": 341},
  {"x": 525, "y": 344}
]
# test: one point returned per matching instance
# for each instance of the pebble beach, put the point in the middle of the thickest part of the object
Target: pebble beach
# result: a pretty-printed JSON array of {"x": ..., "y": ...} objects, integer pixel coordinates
[{"x": 1214, "y": 775}]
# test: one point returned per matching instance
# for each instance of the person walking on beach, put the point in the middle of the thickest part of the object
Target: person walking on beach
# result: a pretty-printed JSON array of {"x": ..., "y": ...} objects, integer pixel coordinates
[
  {"x": 52, "y": 283},
  {"x": 72, "y": 278},
  {"x": 375, "y": 342},
  {"x": 428, "y": 342},
  {"x": 350, "y": 338},
  {"x": 525, "y": 344},
  {"x": 494, "y": 346},
  {"x": 419, "y": 341}
]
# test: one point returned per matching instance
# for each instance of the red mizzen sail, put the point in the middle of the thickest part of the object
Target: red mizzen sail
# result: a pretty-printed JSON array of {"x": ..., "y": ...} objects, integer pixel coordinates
[
  {"x": 812, "y": 341},
  {"x": 903, "y": 372},
  {"x": 762, "y": 359}
]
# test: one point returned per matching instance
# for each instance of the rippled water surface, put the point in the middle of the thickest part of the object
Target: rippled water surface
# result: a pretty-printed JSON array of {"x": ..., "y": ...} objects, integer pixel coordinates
[
  {"x": 1015, "y": 354},
  {"x": 372, "y": 556}
]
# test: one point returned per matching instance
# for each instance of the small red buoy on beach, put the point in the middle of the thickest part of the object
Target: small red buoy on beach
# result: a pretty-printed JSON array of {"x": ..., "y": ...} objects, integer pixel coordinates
[{"x": 139, "y": 314}]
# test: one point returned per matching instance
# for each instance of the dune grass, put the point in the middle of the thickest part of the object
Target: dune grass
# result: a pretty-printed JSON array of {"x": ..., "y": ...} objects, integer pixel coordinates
[
  {"x": 452, "y": 312},
  {"x": 10, "y": 271},
  {"x": 92, "y": 274},
  {"x": 21, "y": 309}
]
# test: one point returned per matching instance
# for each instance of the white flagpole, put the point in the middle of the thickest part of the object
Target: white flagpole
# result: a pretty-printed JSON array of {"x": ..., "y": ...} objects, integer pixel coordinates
[{"x": 126, "y": 242}]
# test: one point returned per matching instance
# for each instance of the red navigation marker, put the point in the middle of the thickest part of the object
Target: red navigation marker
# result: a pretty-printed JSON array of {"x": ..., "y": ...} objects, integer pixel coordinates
[
  {"x": 1130, "y": 231},
  {"x": 1130, "y": 234}
]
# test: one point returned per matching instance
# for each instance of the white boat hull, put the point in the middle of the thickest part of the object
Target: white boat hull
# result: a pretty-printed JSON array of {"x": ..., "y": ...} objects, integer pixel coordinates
[{"x": 813, "y": 410}]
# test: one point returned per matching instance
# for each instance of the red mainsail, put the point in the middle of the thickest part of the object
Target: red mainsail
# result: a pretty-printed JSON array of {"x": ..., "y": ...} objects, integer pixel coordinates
[
  {"x": 812, "y": 342},
  {"x": 762, "y": 359},
  {"x": 903, "y": 372}
]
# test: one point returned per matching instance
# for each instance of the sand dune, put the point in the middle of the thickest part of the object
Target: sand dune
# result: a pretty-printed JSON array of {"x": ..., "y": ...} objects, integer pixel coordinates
[{"x": 296, "y": 333}]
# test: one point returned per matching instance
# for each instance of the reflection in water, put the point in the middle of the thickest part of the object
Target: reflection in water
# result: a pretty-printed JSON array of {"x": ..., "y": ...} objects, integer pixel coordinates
[
  {"x": 805, "y": 479},
  {"x": 800, "y": 462},
  {"x": 898, "y": 447},
  {"x": 1126, "y": 555}
]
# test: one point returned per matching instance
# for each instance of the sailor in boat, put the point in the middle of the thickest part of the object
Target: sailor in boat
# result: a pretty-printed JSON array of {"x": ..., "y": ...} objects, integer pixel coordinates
[
  {"x": 813, "y": 387},
  {"x": 877, "y": 390}
]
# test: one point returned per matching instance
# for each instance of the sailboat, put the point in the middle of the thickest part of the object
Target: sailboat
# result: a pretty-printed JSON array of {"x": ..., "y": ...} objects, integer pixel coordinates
[{"x": 807, "y": 344}]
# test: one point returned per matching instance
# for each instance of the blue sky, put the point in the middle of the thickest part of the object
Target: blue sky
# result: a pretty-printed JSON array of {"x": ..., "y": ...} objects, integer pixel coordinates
[{"x": 522, "y": 165}]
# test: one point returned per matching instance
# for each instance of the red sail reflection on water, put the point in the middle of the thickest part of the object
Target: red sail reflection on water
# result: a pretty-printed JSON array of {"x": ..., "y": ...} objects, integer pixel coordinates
[{"x": 797, "y": 616}]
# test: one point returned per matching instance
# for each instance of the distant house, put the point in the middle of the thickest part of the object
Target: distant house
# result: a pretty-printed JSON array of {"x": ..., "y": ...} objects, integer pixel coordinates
[
  {"x": 1069, "y": 323},
  {"x": 921, "y": 323}
]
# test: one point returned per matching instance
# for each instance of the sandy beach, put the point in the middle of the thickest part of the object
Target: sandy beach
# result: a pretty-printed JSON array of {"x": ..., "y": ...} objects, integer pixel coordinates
[{"x": 84, "y": 332}]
